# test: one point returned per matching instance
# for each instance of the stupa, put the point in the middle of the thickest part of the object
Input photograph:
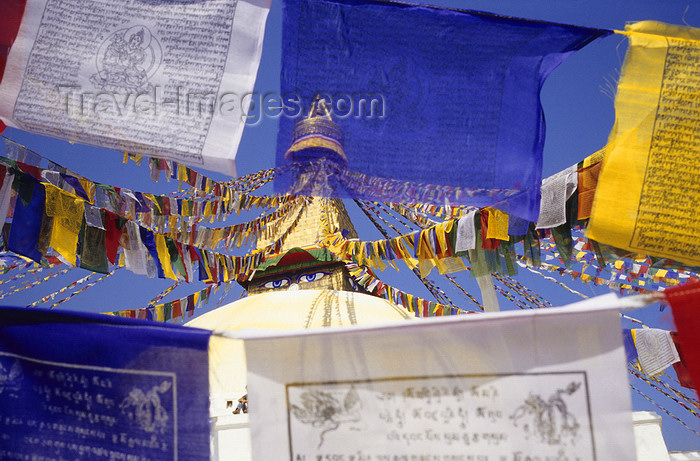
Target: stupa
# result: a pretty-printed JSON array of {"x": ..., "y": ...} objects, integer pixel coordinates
[{"x": 300, "y": 286}]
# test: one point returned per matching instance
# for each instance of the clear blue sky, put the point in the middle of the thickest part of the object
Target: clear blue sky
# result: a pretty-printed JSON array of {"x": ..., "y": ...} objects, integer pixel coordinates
[{"x": 579, "y": 113}]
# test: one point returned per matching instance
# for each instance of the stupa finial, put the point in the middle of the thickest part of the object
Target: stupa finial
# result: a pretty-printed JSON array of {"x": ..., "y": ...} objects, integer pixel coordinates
[{"x": 317, "y": 136}]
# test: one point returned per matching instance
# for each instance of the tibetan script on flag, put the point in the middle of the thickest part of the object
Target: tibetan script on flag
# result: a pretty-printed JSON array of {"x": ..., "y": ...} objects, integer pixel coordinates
[
  {"x": 647, "y": 194},
  {"x": 98, "y": 387},
  {"x": 432, "y": 105},
  {"x": 164, "y": 79},
  {"x": 495, "y": 386}
]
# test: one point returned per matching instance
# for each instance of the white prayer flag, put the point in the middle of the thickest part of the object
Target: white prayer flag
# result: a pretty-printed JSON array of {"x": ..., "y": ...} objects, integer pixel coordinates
[
  {"x": 556, "y": 190},
  {"x": 655, "y": 350},
  {"x": 466, "y": 233},
  {"x": 164, "y": 79},
  {"x": 545, "y": 384}
]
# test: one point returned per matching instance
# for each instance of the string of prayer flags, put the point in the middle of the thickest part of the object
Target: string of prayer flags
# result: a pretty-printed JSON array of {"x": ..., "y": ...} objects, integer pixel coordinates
[
  {"x": 422, "y": 250},
  {"x": 406, "y": 75},
  {"x": 165, "y": 103},
  {"x": 645, "y": 201},
  {"x": 24, "y": 265},
  {"x": 80, "y": 290},
  {"x": 619, "y": 272},
  {"x": 419, "y": 307},
  {"x": 654, "y": 383},
  {"x": 34, "y": 283},
  {"x": 61, "y": 291},
  {"x": 140, "y": 206},
  {"x": 48, "y": 217},
  {"x": 172, "y": 310}
]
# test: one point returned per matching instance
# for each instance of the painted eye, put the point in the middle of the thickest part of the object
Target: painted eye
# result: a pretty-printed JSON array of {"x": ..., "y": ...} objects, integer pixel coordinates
[
  {"x": 312, "y": 277},
  {"x": 276, "y": 283}
]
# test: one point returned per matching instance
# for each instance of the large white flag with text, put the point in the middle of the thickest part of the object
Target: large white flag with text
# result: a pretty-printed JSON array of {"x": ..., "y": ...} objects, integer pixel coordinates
[
  {"x": 546, "y": 384},
  {"x": 158, "y": 78}
]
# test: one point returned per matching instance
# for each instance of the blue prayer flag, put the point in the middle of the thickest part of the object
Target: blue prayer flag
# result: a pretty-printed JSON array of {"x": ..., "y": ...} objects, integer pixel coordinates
[
  {"x": 630, "y": 348},
  {"x": 91, "y": 386},
  {"x": 419, "y": 103},
  {"x": 29, "y": 215}
]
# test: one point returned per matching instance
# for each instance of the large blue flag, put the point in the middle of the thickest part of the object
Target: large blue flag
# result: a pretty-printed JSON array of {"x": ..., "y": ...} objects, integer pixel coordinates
[
  {"x": 94, "y": 387},
  {"x": 427, "y": 104}
]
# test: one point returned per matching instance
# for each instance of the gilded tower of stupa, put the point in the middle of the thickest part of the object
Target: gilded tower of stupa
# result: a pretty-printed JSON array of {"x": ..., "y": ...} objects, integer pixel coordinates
[{"x": 302, "y": 285}]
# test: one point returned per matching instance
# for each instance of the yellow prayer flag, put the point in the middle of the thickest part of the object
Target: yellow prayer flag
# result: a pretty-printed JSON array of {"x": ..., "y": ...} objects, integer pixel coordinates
[
  {"x": 426, "y": 257},
  {"x": 181, "y": 172},
  {"x": 160, "y": 313},
  {"x": 441, "y": 230},
  {"x": 648, "y": 188},
  {"x": 89, "y": 188},
  {"x": 67, "y": 212},
  {"x": 153, "y": 200},
  {"x": 497, "y": 225},
  {"x": 402, "y": 244},
  {"x": 450, "y": 265},
  {"x": 377, "y": 255},
  {"x": 594, "y": 158},
  {"x": 164, "y": 256}
]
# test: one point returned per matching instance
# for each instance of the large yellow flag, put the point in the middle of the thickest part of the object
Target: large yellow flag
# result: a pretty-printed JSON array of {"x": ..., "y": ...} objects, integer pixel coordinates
[{"x": 649, "y": 187}]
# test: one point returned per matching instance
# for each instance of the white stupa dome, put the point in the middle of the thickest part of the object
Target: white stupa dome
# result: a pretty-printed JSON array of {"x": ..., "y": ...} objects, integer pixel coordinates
[{"x": 283, "y": 310}]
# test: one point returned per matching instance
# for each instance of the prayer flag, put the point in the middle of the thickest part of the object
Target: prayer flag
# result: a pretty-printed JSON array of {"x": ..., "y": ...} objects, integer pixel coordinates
[
  {"x": 9, "y": 25},
  {"x": 655, "y": 350},
  {"x": 93, "y": 252},
  {"x": 67, "y": 211},
  {"x": 29, "y": 219},
  {"x": 90, "y": 386},
  {"x": 164, "y": 79},
  {"x": 680, "y": 367},
  {"x": 495, "y": 384},
  {"x": 427, "y": 104},
  {"x": 647, "y": 194},
  {"x": 686, "y": 315}
]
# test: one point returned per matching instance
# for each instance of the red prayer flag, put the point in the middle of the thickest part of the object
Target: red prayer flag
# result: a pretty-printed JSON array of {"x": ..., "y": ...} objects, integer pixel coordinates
[
  {"x": 681, "y": 368},
  {"x": 177, "y": 309},
  {"x": 426, "y": 308},
  {"x": 685, "y": 305},
  {"x": 190, "y": 305},
  {"x": 11, "y": 18},
  {"x": 113, "y": 233}
]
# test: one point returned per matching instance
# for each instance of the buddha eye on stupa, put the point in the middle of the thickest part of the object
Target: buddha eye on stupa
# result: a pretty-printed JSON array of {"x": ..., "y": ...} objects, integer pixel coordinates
[
  {"x": 312, "y": 277},
  {"x": 279, "y": 283}
]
